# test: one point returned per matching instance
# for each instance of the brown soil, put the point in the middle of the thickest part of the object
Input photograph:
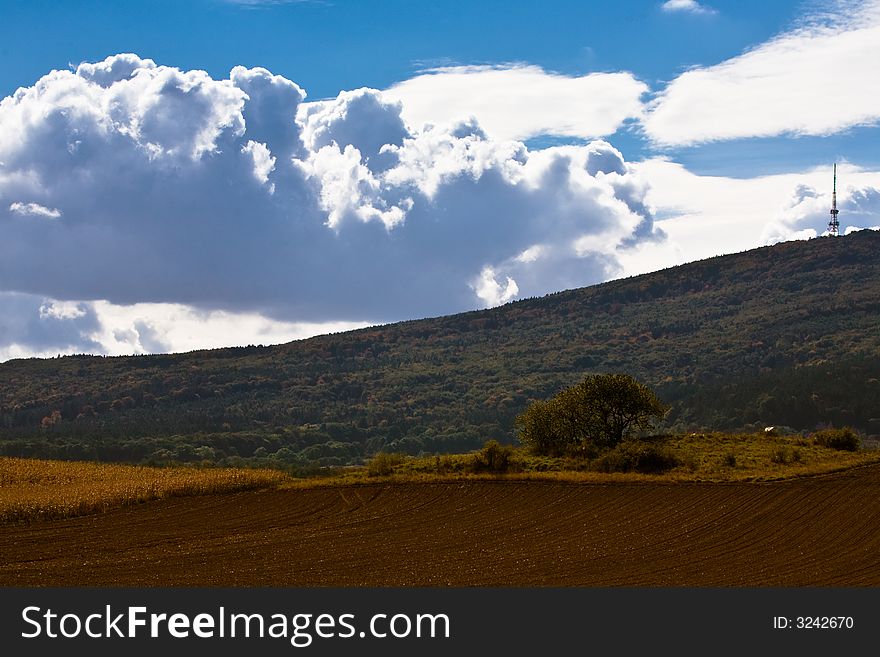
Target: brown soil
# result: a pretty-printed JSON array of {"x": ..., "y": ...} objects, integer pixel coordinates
[{"x": 822, "y": 530}]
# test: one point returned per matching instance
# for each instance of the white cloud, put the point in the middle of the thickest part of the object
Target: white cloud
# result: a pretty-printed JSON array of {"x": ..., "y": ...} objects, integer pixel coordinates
[
  {"x": 349, "y": 189},
  {"x": 531, "y": 254},
  {"x": 362, "y": 118},
  {"x": 150, "y": 328},
  {"x": 113, "y": 69},
  {"x": 521, "y": 101},
  {"x": 35, "y": 326},
  {"x": 818, "y": 79},
  {"x": 264, "y": 163},
  {"x": 226, "y": 200},
  {"x": 493, "y": 293},
  {"x": 34, "y": 210},
  {"x": 62, "y": 309},
  {"x": 688, "y": 6}
]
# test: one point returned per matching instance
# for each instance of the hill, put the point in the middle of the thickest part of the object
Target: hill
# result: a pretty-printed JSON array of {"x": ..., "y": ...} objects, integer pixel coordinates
[{"x": 787, "y": 334}]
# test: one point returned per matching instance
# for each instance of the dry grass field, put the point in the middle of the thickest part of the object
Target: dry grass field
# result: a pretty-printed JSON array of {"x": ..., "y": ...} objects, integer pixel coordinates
[
  {"x": 34, "y": 489},
  {"x": 818, "y": 530},
  {"x": 708, "y": 457}
]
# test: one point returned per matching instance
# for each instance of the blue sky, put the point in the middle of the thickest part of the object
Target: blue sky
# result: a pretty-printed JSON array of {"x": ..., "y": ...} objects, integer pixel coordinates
[
  {"x": 208, "y": 172},
  {"x": 343, "y": 44}
]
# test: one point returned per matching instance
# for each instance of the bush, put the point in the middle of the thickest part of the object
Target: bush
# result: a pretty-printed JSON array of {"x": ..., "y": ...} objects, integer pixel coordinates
[
  {"x": 382, "y": 464},
  {"x": 730, "y": 460},
  {"x": 633, "y": 456},
  {"x": 786, "y": 455},
  {"x": 494, "y": 457},
  {"x": 845, "y": 439}
]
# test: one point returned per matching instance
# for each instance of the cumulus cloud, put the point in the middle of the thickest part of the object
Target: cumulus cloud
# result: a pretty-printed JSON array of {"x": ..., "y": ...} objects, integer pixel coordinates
[
  {"x": 362, "y": 118},
  {"x": 234, "y": 196},
  {"x": 521, "y": 101},
  {"x": 687, "y": 6},
  {"x": 817, "y": 79}
]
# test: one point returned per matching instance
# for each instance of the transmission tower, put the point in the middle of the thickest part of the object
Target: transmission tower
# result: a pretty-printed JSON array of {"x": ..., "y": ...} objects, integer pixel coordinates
[{"x": 834, "y": 225}]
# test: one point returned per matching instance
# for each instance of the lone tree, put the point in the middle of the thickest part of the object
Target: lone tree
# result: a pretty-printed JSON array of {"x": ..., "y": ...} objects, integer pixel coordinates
[{"x": 601, "y": 410}]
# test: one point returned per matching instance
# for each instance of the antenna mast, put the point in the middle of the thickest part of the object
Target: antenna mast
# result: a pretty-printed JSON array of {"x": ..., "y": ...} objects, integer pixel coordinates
[{"x": 834, "y": 225}]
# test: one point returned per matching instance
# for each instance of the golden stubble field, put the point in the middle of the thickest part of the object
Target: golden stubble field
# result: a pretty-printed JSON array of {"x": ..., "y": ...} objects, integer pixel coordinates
[{"x": 33, "y": 489}]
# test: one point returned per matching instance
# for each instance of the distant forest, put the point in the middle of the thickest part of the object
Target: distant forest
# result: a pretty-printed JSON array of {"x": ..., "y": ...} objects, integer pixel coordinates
[{"x": 781, "y": 335}]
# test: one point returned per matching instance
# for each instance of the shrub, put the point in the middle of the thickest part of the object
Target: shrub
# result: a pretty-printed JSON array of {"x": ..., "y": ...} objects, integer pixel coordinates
[
  {"x": 730, "y": 460},
  {"x": 843, "y": 439},
  {"x": 786, "y": 455},
  {"x": 382, "y": 464},
  {"x": 633, "y": 456},
  {"x": 494, "y": 457}
]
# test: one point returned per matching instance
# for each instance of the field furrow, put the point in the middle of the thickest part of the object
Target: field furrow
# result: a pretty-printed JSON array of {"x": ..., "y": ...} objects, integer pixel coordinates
[{"x": 819, "y": 530}]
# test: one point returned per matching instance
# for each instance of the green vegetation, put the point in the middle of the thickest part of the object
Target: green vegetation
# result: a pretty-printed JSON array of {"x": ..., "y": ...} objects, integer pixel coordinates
[
  {"x": 734, "y": 343},
  {"x": 597, "y": 413},
  {"x": 637, "y": 457},
  {"x": 681, "y": 457},
  {"x": 383, "y": 464},
  {"x": 494, "y": 457},
  {"x": 845, "y": 439}
]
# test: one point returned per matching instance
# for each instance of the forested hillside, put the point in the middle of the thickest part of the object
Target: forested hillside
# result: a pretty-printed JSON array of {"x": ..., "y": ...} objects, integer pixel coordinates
[{"x": 788, "y": 334}]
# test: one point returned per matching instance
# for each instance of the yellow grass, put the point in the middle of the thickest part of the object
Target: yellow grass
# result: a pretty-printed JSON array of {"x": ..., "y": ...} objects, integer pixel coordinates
[
  {"x": 34, "y": 489},
  {"x": 713, "y": 457}
]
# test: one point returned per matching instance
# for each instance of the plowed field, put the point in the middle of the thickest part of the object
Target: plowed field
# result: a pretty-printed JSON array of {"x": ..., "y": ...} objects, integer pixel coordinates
[{"x": 822, "y": 530}]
